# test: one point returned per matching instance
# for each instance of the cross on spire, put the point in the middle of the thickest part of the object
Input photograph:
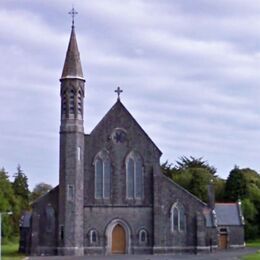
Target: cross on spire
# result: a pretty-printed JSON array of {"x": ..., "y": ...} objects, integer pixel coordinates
[
  {"x": 118, "y": 91},
  {"x": 73, "y": 13}
]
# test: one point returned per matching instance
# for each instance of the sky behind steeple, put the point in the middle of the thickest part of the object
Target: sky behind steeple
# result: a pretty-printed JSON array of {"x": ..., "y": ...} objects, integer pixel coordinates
[{"x": 190, "y": 71}]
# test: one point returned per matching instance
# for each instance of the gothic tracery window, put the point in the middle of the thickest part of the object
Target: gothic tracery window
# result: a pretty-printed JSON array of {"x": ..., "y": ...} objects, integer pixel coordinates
[
  {"x": 102, "y": 175},
  {"x": 178, "y": 217},
  {"x": 134, "y": 176}
]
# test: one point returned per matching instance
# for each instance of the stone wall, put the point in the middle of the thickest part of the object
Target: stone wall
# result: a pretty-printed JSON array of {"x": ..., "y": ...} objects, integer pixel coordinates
[{"x": 45, "y": 224}]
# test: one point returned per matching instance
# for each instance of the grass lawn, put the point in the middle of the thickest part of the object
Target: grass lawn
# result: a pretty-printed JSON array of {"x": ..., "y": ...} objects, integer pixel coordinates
[
  {"x": 255, "y": 256},
  {"x": 253, "y": 243},
  {"x": 10, "y": 252}
]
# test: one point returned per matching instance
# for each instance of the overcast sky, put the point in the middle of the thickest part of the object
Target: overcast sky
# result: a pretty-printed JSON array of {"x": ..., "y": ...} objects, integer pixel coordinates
[{"x": 190, "y": 72}]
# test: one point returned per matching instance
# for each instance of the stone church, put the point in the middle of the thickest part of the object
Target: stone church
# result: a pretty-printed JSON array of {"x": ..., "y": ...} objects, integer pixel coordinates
[{"x": 112, "y": 197}]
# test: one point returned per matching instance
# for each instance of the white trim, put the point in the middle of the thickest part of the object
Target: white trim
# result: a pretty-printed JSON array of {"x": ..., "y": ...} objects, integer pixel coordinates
[
  {"x": 174, "y": 247},
  {"x": 93, "y": 247},
  {"x": 109, "y": 231},
  {"x": 72, "y": 77},
  {"x": 203, "y": 247},
  {"x": 237, "y": 246}
]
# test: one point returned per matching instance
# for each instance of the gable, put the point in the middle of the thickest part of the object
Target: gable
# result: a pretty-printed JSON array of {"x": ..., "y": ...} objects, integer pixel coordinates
[{"x": 118, "y": 116}]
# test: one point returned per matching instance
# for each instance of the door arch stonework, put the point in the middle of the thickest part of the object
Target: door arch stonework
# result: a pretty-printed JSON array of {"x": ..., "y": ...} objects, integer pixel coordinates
[{"x": 117, "y": 229}]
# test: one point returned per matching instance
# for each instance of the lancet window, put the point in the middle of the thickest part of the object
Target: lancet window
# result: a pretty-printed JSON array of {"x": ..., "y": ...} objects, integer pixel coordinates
[
  {"x": 71, "y": 102},
  {"x": 102, "y": 175},
  {"x": 134, "y": 176},
  {"x": 178, "y": 217},
  {"x": 79, "y": 103}
]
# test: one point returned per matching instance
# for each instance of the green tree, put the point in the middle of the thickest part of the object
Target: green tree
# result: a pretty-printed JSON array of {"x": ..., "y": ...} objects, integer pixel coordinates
[
  {"x": 245, "y": 184},
  {"x": 192, "y": 174},
  {"x": 219, "y": 185},
  {"x": 236, "y": 185},
  {"x": 39, "y": 190},
  {"x": 21, "y": 189},
  {"x": 250, "y": 212},
  {"x": 7, "y": 203},
  {"x": 187, "y": 163}
]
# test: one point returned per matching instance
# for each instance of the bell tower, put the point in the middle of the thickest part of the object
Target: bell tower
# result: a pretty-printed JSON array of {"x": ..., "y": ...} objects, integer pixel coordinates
[{"x": 71, "y": 176}]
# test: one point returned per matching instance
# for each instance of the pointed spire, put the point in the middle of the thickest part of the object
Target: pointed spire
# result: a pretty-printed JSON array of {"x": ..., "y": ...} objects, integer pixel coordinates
[{"x": 72, "y": 65}]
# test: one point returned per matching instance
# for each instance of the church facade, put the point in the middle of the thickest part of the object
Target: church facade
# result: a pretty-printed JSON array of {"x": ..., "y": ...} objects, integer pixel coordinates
[{"x": 112, "y": 197}]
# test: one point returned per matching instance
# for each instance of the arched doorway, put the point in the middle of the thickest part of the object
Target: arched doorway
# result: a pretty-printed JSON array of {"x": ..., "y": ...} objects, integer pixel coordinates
[
  {"x": 118, "y": 237},
  {"x": 118, "y": 240}
]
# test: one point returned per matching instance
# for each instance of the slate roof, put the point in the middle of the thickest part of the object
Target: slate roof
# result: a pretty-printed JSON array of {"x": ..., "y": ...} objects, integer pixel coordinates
[
  {"x": 228, "y": 214},
  {"x": 72, "y": 65}
]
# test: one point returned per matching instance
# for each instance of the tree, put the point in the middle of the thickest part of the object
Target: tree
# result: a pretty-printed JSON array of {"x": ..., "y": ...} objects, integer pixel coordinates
[
  {"x": 39, "y": 190},
  {"x": 249, "y": 212},
  {"x": 192, "y": 162},
  {"x": 199, "y": 183},
  {"x": 7, "y": 203},
  {"x": 192, "y": 174},
  {"x": 236, "y": 185},
  {"x": 21, "y": 189}
]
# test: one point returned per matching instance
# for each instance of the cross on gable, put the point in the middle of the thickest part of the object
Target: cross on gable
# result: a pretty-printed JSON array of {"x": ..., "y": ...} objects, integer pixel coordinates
[
  {"x": 118, "y": 91},
  {"x": 73, "y": 13}
]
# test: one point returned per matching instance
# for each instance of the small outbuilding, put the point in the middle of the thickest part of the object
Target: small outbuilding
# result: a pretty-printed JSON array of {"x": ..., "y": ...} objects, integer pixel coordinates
[{"x": 230, "y": 225}]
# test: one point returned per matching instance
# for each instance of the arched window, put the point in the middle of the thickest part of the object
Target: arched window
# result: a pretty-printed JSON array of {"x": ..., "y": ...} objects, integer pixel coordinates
[
  {"x": 143, "y": 236},
  {"x": 178, "y": 218},
  {"x": 102, "y": 176},
  {"x": 175, "y": 218},
  {"x": 134, "y": 176},
  {"x": 71, "y": 102},
  {"x": 93, "y": 237},
  {"x": 64, "y": 103},
  {"x": 79, "y": 103}
]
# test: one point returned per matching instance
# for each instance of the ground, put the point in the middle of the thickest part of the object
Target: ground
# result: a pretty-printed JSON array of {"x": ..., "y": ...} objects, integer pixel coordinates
[{"x": 224, "y": 255}]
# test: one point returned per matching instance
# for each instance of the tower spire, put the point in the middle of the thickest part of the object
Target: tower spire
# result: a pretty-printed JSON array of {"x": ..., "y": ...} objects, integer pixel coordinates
[{"x": 72, "y": 65}]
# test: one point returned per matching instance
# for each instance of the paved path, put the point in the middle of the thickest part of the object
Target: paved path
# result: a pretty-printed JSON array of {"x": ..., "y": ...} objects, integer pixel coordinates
[{"x": 223, "y": 255}]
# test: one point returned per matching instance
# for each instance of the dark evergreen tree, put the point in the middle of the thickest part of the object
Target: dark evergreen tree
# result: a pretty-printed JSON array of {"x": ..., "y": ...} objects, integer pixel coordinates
[
  {"x": 192, "y": 162},
  {"x": 236, "y": 185},
  {"x": 21, "y": 189}
]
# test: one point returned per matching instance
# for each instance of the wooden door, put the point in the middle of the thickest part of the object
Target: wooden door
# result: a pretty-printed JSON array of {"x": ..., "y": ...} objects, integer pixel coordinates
[
  {"x": 223, "y": 241},
  {"x": 118, "y": 240}
]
